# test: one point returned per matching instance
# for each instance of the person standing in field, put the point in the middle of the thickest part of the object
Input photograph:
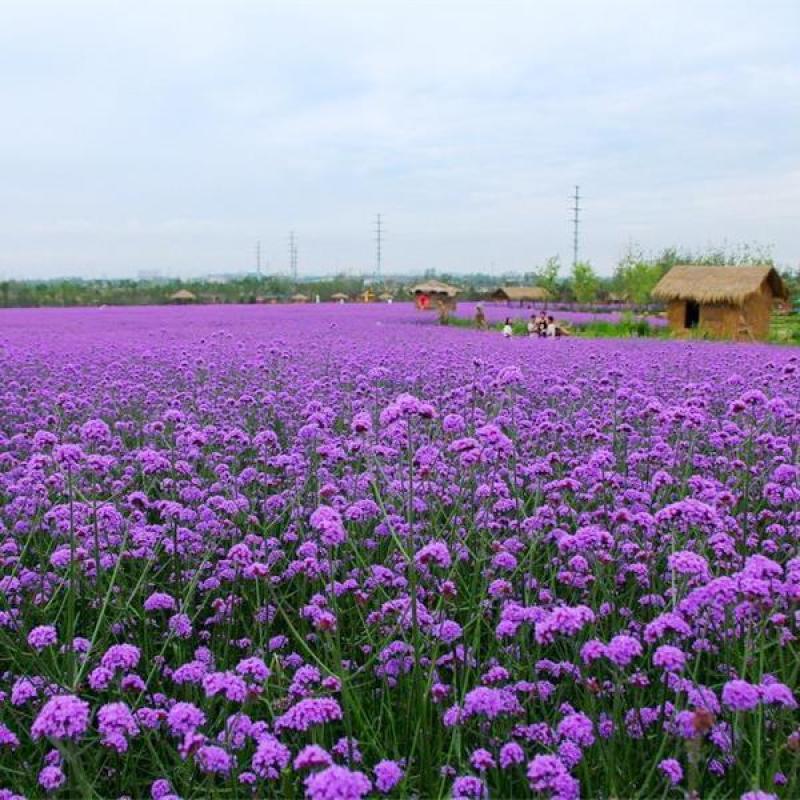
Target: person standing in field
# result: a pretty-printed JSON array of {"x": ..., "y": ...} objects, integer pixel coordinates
[
  {"x": 507, "y": 329},
  {"x": 532, "y": 326},
  {"x": 480, "y": 318}
]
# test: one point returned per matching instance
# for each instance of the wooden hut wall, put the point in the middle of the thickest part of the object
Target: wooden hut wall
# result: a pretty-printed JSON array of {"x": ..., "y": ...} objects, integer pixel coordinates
[
  {"x": 719, "y": 320},
  {"x": 757, "y": 311},
  {"x": 726, "y": 320},
  {"x": 676, "y": 314}
]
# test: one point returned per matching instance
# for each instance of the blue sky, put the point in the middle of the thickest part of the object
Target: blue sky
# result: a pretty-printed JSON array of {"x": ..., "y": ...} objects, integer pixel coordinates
[{"x": 170, "y": 136}]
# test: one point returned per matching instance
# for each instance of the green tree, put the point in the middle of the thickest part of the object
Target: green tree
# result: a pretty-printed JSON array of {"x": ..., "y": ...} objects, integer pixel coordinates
[
  {"x": 584, "y": 282},
  {"x": 546, "y": 275},
  {"x": 635, "y": 276}
]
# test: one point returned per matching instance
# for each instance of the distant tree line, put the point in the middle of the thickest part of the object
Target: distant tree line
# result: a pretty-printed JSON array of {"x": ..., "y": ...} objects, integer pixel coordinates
[
  {"x": 238, "y": 289},
  {"x": 633, "y": 279}
]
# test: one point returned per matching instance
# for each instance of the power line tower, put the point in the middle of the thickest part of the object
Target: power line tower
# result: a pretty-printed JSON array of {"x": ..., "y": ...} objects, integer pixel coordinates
[
  {"x": 379, "y": 231},
  {"x": 293, "y": 256},
  {"x": 576, "y": 209},
  {"x": 258, "y": 259}
]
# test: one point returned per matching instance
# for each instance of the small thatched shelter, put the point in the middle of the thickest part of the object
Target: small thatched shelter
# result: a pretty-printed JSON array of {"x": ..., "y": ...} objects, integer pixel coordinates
[
  {"x": 339, "y": 297},
  {"x": 520, "y": 294},
  {"x": 385, "y": 297},
  {"x": 299, "y": 298},
  {"x": 183, "y": 296},
  {"x": 434, "y": 295},
  {"x": 725, "y": 302}
]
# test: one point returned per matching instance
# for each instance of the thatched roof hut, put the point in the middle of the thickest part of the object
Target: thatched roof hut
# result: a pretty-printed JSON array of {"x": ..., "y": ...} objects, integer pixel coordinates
[
  {"x": 385, "y": 296},
  {"x": 339, "y": 297},
  {"x": 520, "y": 294},
  {"x": 182, "y": 296},
  {"x": 434, "y": 295},
  {"x": 299, "y": 298},
  {"x": 434, "y": 287},
  {"x": 725, "y": 302}
]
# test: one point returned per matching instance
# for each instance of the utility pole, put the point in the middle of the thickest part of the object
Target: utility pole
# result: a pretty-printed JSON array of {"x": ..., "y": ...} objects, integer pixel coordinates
[
  {"x": 576, "y": 209},
  {"x": 258, "y": 259},
  {"x": 378, "y": 242},
  {"x": 293, "y": 256}
]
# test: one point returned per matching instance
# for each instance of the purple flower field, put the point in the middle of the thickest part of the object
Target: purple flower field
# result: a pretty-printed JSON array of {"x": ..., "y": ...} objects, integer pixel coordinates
[{"x": 341, "y": 551}]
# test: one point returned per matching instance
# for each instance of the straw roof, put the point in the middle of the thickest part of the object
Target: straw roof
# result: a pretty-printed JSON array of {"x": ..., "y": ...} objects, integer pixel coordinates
[
  {"x": 338, "y": 296},
  {"x": 703, "y": 284},
  {"x": 299, "y": 298},
  {"x": 384, "y": 296},
  {"x": 522, "y": 293},
  {"x": 434, "y": 287},
  {"x": 183, "y": 294}
]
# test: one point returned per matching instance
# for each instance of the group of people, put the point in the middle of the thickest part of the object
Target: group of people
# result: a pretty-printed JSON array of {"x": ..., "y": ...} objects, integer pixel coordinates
[
  {"x": 540, "y": 324},
  {"x": 544, "y": 325}
]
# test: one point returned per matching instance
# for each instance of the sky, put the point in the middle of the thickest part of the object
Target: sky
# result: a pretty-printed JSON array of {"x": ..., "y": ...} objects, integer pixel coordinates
[{"x": 169, "y": 137}]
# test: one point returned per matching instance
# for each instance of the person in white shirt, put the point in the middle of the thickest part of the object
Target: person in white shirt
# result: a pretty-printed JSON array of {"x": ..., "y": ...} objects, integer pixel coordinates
[
  {"x": 552, "y": 328},
  {"x": 507, "y": 329}
]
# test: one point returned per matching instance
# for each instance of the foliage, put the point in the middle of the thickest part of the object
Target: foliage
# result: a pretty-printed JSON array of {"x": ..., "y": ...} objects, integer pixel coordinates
[
  {"x": 785, "y": 328},
  {"x": 584, "y": 282},
  {"x": 546, "y": 275},
  {"x": 629, "y": 326},
  {"x": 236, "y": 289},
  {"x": 635, "y": 277}
]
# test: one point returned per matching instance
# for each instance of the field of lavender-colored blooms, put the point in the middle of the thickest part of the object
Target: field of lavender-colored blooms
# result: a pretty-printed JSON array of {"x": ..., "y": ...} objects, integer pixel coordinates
[{"x": 341, "y": 551}]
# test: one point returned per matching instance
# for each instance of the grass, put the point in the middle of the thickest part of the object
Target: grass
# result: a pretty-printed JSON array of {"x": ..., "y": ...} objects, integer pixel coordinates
[
  {"x": 784, "y": 329},
  {"x": 628, "y": 327}
]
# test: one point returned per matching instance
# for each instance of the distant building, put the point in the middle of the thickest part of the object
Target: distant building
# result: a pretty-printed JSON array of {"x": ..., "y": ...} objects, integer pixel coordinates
[
  {"x": 182, "y": 297},
  {"x": 430, "y": 294},
  {"x": 725, "y": 302},
  {"x": 520, "y": 294}
]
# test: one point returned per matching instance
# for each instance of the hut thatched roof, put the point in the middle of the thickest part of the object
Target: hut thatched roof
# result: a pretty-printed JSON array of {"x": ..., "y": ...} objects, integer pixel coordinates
[
  {"x": 703, "y": 284},
  {"x": 523, "y": 293},
  {"x": 338, "y": 296},
  {"x": 183, "y": 295},
  {"x": 299, "y": 298},
  {"x": 384, "y": 296},
  {"x": 434, "y": 287}
]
